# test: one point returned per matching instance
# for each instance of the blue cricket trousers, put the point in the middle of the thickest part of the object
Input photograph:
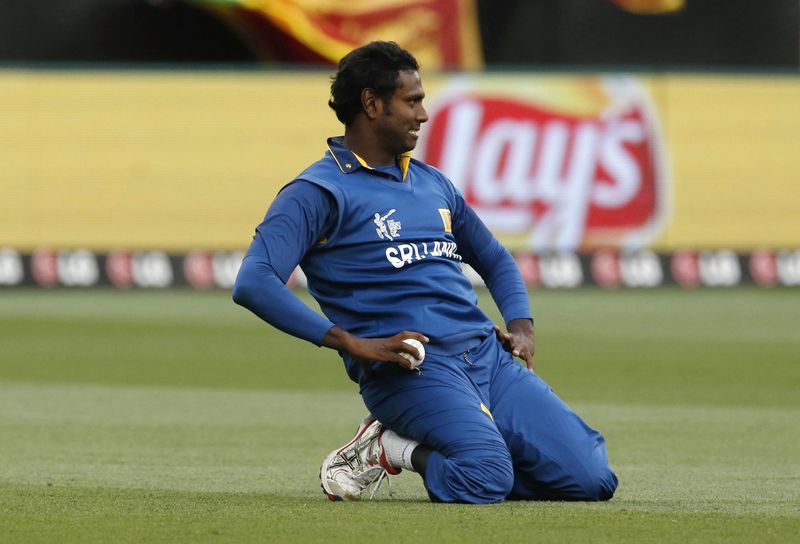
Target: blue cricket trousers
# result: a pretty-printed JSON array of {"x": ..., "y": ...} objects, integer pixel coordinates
[{"x": 498, "y": 431}]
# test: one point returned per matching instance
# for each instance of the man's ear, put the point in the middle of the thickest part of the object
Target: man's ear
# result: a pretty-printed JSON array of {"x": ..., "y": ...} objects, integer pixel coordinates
[{"x": 370, "y": 103}]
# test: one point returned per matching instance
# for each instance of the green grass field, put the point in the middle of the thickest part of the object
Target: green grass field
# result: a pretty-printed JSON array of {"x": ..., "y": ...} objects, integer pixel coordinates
[{"x": 178, "y": 417}]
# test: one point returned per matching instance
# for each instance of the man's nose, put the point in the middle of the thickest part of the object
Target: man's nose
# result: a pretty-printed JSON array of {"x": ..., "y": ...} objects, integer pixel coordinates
[{"x": 422, "y": 114}]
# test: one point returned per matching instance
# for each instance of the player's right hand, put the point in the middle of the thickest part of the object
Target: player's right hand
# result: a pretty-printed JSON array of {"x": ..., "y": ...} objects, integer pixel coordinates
[{"x": 385, "y": 350}]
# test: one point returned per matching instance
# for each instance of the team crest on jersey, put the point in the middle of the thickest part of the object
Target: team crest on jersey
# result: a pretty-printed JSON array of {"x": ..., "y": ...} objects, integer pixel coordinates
[
  {"x": 387, "y": 229},
  {"x": 447, "y": 220}
]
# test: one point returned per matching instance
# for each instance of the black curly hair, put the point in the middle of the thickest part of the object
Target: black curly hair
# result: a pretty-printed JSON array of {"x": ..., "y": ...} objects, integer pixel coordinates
[{"x": 373, "y": 66}]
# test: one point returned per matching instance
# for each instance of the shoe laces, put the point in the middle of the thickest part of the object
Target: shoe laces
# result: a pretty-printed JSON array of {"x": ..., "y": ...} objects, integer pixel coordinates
[
  {"x": 363, "y": 458},
  {"x": 384, "y": 476}
]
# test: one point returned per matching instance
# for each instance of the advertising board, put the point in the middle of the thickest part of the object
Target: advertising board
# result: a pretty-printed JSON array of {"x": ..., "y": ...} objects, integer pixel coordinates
[{"x": 180, "y": 161}]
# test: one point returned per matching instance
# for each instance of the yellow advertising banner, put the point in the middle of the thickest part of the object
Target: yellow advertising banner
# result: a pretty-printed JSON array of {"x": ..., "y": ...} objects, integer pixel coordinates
[
  {"x": 151, "y": 160},
  {"x": 182, "y": 160},
  {"x": 733, "y": 144}
]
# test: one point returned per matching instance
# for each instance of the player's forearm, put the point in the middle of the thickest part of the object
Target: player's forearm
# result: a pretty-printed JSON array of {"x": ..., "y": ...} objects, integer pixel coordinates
[
  {"x": 338, "y": 339},
  {"x": 259, "y": 289},
  {"x": 495, "y": 265},
  {"x": 522, "y": 327},
  {"x": 505, "y": 283}
]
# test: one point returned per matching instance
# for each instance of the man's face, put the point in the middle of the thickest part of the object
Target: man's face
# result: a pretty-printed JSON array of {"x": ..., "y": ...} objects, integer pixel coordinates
[{"x": 399, "y": 120}]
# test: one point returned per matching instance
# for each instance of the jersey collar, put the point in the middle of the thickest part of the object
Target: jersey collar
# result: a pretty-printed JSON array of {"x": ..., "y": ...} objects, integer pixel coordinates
[{"x": 349, "y": 162}]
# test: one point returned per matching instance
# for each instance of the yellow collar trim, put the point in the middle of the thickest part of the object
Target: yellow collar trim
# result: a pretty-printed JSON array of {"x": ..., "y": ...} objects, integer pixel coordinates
[
  {"x": 336, "y": 159},
  {"x": 404, "y": 160},
  {"x": 362, "y": 161}
]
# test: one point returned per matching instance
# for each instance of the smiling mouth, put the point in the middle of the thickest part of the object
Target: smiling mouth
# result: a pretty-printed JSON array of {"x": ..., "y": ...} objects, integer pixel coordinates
[{"x": 414, "y": 132}]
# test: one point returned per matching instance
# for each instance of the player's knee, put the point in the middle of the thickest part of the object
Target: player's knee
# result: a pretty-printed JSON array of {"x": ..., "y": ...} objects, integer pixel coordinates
[
  {"x": 500, "y": 479},
  {"x": 486, "y": 479},
  {"x": 600, "y": 485}
]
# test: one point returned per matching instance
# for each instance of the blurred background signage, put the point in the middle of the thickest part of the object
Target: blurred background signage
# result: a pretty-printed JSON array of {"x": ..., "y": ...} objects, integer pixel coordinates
[{"x": 651, "y": 140}]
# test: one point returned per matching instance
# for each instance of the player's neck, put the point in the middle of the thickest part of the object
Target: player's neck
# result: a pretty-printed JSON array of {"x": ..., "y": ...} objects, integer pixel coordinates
[{"x": 363, "y": 145}]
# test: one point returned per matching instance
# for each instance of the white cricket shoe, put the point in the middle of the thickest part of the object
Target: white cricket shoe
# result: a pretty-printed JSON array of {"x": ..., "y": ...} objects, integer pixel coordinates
[{"x": 350, "y": 470}]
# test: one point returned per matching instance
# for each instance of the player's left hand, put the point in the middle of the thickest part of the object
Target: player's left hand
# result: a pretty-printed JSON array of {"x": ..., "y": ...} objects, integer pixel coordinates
[{"x": 519, "y": 341}]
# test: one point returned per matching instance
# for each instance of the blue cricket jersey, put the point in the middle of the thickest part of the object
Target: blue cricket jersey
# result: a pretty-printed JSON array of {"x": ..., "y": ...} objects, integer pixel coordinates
[{"x": 382, "y": 250}]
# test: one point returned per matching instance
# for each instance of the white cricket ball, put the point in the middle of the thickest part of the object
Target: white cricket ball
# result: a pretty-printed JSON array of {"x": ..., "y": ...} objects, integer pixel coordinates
[{"x": 417, "y": 344}]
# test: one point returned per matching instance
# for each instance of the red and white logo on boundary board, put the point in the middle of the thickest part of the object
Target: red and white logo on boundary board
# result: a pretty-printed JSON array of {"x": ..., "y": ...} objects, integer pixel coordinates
[{"x": 553, "y": 162}]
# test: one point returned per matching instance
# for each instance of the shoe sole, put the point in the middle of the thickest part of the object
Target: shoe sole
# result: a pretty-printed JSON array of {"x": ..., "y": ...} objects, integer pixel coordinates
[{"x": 332, "y": 488}]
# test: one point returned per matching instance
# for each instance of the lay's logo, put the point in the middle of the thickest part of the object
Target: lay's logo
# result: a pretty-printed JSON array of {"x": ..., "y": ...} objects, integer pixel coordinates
[{"x": 554, "y": 163}]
